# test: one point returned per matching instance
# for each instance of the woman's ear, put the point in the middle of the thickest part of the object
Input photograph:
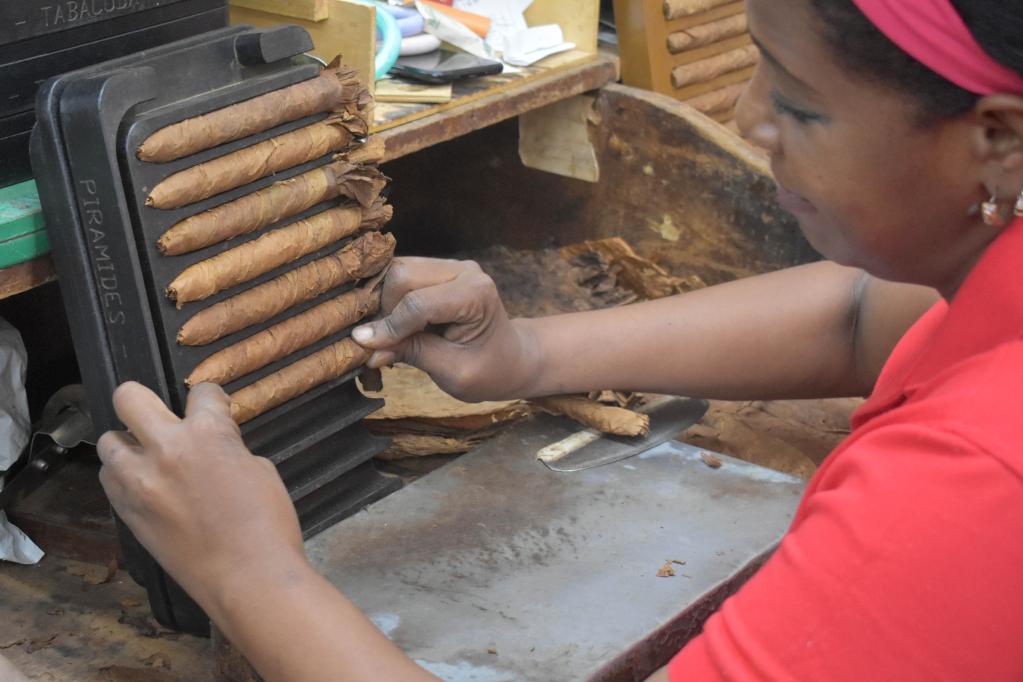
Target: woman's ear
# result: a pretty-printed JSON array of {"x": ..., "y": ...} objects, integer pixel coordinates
[{"x": 998, "y": 142}]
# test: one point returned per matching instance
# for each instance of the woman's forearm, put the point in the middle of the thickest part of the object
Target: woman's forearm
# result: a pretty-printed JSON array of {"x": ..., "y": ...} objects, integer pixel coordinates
[
  {"x": 294, "y": 626},
  {"x": 787, "y": 334}
]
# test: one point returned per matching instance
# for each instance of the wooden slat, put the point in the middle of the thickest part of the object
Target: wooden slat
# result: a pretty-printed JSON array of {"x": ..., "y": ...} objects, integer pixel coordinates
[
  {"x": 642, "y": 42},
  {"x": 24, "y": 276},
  {"x": 310, "y": 10}
]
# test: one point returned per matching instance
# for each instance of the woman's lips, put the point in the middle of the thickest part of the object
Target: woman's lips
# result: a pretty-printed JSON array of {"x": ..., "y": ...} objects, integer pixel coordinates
[{"x": 793, "y": 203}]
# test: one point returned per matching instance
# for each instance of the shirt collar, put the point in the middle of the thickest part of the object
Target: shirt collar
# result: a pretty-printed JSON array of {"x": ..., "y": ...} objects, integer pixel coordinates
[{"x": 986, "y": 312}]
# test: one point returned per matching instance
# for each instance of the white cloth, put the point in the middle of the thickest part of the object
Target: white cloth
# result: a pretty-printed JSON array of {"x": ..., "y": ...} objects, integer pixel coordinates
[{"x": 15, "y": 430}]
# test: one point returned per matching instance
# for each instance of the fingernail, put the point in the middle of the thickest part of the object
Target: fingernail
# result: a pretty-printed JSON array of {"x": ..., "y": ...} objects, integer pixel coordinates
[{"x": 362, "y": 334}]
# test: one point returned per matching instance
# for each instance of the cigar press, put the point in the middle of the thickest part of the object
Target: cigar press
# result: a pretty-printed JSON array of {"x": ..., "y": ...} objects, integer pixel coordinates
[{"x": 113, "y": 278}]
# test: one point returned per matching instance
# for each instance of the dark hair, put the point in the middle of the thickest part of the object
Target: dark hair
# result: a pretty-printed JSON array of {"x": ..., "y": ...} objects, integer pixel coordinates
[{"x": 860, "y": 47}]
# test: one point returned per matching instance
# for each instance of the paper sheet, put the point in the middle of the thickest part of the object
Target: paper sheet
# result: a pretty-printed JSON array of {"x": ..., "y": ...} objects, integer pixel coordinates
[
  {"x": 530, "y": 45},
  {"x": 15, "y": 429}
]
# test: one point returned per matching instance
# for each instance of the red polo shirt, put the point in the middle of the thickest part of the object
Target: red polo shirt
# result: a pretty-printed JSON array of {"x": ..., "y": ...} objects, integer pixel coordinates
[{"x": 905, "y": 558}]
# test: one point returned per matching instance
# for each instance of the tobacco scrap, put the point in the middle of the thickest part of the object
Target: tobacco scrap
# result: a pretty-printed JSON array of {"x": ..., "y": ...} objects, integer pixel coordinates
[
  {"x": 274, "y": 203},
  {"x": 258, "y": 161},
  {"x": 272, "y": 250},
  {"x": 284, "y": 338},
  {"x": 93, "y": 575},
  {"x": 713, "y": 461},
  {"x": 331, "y": 362},
  {"x": 616, "y": 421},
  {"x": 364, "y": 257},
  {"x": 627, "y": 269},
  {"x": 666, "y": 571},
  {"x": 336, "y": 88}
]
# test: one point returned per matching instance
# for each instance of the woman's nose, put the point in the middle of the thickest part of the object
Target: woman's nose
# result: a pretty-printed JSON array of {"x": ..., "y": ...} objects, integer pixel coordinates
[{"x": 755, "y": 117}]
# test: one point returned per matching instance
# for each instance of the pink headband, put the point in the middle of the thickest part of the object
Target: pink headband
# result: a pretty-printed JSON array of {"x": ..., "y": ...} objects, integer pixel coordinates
[{"x": 934, "y": 34}]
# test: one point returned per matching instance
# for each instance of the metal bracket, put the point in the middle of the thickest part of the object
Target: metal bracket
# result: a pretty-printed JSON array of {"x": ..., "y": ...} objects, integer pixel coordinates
[{"x": 66, "y": 423}]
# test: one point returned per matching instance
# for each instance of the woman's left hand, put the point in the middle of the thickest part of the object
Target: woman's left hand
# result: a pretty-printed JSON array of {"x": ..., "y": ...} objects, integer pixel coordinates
[{"x": 193, "y": 495}]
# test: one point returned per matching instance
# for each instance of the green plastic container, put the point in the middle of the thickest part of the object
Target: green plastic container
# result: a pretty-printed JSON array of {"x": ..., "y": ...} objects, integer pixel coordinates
[{"x": 22, "y": 229}]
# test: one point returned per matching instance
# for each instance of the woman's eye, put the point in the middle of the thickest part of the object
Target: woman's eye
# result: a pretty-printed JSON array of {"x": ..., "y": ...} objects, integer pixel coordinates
[{"x": 799, "y": 115}]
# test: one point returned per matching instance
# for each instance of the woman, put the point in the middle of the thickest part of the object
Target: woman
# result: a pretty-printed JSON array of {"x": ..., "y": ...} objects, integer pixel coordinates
[{"x": 895, "y": 129}]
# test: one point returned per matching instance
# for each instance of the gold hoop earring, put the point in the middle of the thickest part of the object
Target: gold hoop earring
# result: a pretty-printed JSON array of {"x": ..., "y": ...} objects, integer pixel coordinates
[{"x": 991, "y": 212}]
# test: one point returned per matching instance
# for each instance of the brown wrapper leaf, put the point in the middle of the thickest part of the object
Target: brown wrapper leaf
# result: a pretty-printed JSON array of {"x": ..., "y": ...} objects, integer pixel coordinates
[
  {"x": 258, "y": 161},
  {"x": 272, "y": 250},
  {"x": 335, "y": 89},
  {"x": 274, "y": 203},
  {"x": 364, "y": 257},
  {"x": 284, "y": 338},
  {"x": 616, "y": 421},
  {"x": 332, "y": 362}
]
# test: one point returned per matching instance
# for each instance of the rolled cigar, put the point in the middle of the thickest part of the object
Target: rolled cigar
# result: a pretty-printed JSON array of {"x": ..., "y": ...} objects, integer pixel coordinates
[
  {"x": 272, "y": 250},
  {"x": 267, "y": 206},
  {"x": 334, "y": 89},
  {"x": 364, "y": 257},
  {"x": 284, "y": 338},
  {"x": 616, "y": 421},
  {"x": 718, "y": 101},
  {"x": 706, "y": 34},
  {"x": 332, "y": 362},
  {"x": 258, "y": 161},
  {"x": 712, "y": 67},
  {"x": 676, "y": 9}
]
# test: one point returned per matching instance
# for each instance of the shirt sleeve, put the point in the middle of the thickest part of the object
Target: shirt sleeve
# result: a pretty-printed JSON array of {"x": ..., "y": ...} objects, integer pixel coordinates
[{"x": 904, "y": 564}]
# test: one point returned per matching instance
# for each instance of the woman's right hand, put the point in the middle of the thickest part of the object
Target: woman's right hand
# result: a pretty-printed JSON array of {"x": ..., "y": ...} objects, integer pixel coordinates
[{"x": 446, "y": 318}]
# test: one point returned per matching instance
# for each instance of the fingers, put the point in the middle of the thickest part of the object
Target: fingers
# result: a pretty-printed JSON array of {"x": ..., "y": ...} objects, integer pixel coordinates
[
  {"x": 209, "y": 398},
  {"x": 143, "y": 412},
  {"x": 430, "y": 353},
  {"x": 383, "y": 358},
  {"x": 410, "y": 273},
  {"x": 112, "y": 446},
  {"x": 117, "y": 450},
  {"x": 411, "y": 315}
]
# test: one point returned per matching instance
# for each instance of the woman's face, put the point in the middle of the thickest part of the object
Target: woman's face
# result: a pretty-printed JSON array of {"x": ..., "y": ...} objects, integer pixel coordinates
[{"x": 869, "y": 185}]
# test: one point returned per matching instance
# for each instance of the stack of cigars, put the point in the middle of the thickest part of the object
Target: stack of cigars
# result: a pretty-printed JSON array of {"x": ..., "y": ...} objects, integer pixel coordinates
[
  {"x": 699, "y": 52},
  {"x": 353, "y": 220},
  {"x": 713, "y": 55}
]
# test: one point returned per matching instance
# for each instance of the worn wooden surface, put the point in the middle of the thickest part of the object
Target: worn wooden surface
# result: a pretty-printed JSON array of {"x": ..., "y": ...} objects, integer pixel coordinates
[
  {"x": 67, "y": 620},
  {"x": 68, "y": 513},
  {"x": 495, "y": 104},
  {"x": 24, "y": 276}
]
